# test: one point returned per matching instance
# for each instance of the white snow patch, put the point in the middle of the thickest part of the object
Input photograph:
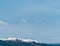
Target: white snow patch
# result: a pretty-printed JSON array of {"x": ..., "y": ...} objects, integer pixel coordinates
[{"x": 14, "y": 39}]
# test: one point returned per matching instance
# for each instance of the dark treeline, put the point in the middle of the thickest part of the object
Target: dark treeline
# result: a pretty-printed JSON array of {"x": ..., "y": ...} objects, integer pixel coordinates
[
  {"x": 19, "y": 43},
  {"x": 22, "y": 43}
]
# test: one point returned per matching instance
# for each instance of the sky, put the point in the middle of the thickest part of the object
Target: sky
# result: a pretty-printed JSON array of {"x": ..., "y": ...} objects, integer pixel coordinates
[{"x": 35, "y": 19}]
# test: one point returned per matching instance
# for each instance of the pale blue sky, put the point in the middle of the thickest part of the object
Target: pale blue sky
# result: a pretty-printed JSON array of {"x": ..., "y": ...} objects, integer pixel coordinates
[{"x": 35, "y": 19}]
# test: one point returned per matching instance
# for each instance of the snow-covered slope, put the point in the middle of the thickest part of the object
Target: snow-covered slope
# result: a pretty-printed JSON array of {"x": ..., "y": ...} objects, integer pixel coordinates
[
  {"x": 20, "y": 39},
  {"x": 19, "y": 42}
]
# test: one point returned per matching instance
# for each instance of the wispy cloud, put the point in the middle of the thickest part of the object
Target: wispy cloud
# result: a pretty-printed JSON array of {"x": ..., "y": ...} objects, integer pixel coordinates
[
  {"x": 43, "y": 9},
  {"x": 3, "y": 23},
  {"x": 24, "y": 20},
  {"x": 58, "y": 11}
]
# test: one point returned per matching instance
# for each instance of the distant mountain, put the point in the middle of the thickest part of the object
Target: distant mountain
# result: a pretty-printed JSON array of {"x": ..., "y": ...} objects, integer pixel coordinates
[{"x": 20, "y": 42}]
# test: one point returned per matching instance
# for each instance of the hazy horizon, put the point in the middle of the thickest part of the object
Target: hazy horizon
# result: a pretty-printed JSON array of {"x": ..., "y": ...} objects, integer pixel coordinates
[{"x": 34, "y": 19}]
